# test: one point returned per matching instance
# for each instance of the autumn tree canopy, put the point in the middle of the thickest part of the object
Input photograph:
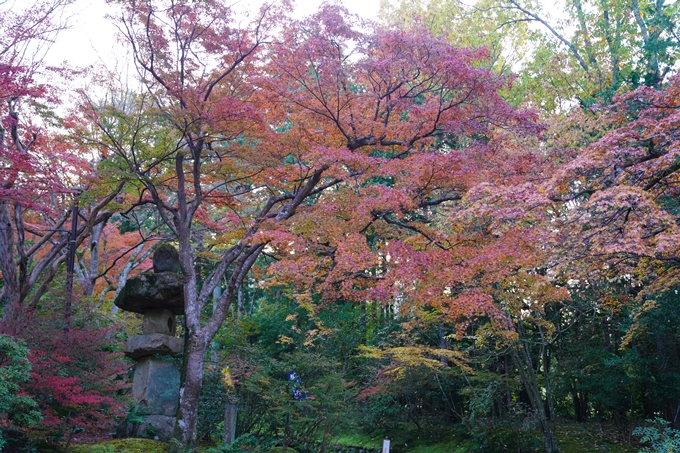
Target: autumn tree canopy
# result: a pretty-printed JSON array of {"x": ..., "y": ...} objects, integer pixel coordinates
[
  {"x": 328, "y": 149},
  {"x": 330, "y": 162}
]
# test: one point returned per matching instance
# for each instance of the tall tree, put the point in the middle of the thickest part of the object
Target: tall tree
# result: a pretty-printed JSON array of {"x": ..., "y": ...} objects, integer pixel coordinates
[
  {"x": 38, "y": 166},
  {"x": 618, "y": 223},
  {"x": 439, "y": 214},
  {"x": 621, "y": 193},
  {"x": 299, "y": 152},
  {"x": 191, "y": 149},
  {"x": 578, "y": 50}
]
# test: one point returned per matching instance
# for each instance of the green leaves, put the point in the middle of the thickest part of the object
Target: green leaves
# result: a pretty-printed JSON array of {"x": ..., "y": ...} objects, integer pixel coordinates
[
  {"x": 20, "y": 409},
  {"x": 663, "y": 438}
]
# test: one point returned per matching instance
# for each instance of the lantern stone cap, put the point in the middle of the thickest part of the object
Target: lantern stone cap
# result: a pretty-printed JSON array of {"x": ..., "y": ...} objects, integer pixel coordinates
[{"x": 150, "y": 291}]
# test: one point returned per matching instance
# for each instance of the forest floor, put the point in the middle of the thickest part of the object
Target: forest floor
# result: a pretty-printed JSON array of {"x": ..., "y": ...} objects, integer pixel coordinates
[{"x": 572, "y": 438}]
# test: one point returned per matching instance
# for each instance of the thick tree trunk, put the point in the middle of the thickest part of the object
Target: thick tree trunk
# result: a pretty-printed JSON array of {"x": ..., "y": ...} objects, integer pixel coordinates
[
  {"x": 195, "y": 346},
  {"x": 548, "y": 434},
  {"x": 190, "y": 390},
  {"x": 580, "y": 400},
  {"x": 10, "y": 291}
]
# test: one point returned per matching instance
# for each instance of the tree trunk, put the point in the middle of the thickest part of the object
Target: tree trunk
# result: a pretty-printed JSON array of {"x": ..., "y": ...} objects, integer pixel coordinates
[
  {"x": 586, "y": 40},
  {"x": 653, "y": 76},
  {"x": 190, "y": 390},
  {"x": 240, "y": 307},
  {"x": 90, "y": 277},
  {"x": 613, "y": 45},
  {"x": 214, "y": 347},
  {"x": 546, "y": 420},
  {"x": 10, "y": 291},
  {"x": 580, "y": 400}
]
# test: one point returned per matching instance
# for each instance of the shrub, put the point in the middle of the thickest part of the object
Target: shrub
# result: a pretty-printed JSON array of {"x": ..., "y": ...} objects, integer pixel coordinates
[
  {"x": 20, "y": 410},
  {"x": 246, "y": 443},
  {"x": 660, "y": 435},
  {"x": 75, "y": 379}
]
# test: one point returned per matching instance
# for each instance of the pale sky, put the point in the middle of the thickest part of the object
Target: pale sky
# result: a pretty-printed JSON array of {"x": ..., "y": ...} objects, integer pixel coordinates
[{"x": 91, "y": 38}]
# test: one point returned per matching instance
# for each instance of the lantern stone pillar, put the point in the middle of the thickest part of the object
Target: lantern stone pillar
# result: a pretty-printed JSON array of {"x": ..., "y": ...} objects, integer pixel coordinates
[{"x": 159, "y": 296}]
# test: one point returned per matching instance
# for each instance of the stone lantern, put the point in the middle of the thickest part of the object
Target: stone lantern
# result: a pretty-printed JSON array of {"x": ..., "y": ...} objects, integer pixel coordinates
[{"x": 159, "y": 296}]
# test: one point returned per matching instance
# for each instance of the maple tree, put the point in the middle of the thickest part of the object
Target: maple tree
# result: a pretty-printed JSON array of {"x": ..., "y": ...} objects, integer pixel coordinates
[
  {"x": 456, "y": 232},
  {"x": 40, "y": 166},
  {"x": 620, "y": 196},
  {"x": 621, "y": 190},
  {"x": 328, "y": 159},
  {"x": 19, "y": 31},
  {"x": 576, "y": 50},
  {"x": 301, "y": 150},
  {"x": 194, "y": 105},
  {"x": 478, "y": 264}
]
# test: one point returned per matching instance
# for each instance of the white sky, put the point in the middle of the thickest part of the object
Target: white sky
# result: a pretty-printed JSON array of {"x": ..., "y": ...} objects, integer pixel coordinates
[{"x": 91, "y": 38}]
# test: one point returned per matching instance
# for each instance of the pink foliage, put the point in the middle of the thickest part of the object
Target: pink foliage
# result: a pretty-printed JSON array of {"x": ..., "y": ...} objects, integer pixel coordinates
[
  {"x": 622, "y": 189},
  {"x": 76, "y": 381}
]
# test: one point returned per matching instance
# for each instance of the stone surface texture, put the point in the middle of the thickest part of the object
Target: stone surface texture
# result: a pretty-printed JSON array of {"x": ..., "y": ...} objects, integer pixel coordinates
[
  {"x": 150, "y": 291},
  {"x": 155, "y": 387},
  {"x": 157, "y": 426},
  {"x": 154, "y": 343},
  {"x": 159, "y": 296},
  {"x": 159, "y": 320},
  {"x": 165, "y": 259}
]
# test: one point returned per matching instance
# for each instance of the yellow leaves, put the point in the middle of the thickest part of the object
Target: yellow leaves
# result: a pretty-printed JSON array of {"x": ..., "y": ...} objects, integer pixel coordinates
[
  {"x": 318, "y": 228},
  {"x": 406, "y": 357},
  {"x": 490, "y": 332},
  {"x": 227, "y": 381},
  {"x": 312, "y": 336},
  {"x": 284, "y": 340},
  {"x": 305, "y": 301},
  {"x": 636, "y": 327},
  {"x": 611, "y": 301},
  {"x": 229, "y": 238}
]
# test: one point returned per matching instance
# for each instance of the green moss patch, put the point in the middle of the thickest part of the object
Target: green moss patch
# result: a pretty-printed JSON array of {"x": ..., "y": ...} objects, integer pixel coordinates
[
  {"x": 591, "y": 437},
  {"x": 123, "y": 446}
]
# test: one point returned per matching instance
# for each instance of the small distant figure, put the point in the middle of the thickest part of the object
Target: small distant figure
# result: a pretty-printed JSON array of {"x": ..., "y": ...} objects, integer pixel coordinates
[
  {"x": 297, "y": 381},
  {"x": 166, "y": 259}
]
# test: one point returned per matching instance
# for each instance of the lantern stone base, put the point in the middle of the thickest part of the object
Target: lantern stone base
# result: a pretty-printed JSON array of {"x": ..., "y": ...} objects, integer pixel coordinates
[
  {"x": 157, "y": 427},
  {"x": 155, "y": 387}
]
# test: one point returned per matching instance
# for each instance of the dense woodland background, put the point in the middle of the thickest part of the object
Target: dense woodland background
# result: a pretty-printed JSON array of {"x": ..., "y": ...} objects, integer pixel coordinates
[{"x": 460, "y": 221}]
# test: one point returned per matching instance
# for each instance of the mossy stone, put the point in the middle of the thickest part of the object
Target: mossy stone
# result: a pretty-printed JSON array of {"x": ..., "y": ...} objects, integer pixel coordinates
[
  {"x": 166, "y": 259},
  {"x": 149, "y": 291}
]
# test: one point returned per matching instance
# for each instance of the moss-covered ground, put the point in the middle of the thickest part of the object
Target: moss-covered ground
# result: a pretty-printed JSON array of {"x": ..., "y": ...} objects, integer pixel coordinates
[
  {"x": 123, "y": 446},
  {"x": 572, "y": 438}
]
